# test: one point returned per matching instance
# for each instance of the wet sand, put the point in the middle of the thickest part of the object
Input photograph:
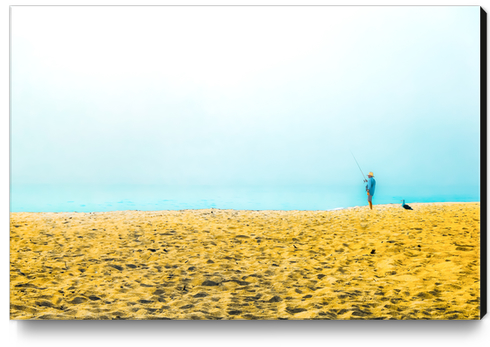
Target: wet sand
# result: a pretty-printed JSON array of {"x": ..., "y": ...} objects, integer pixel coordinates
[{"x": 225, "y": 264}]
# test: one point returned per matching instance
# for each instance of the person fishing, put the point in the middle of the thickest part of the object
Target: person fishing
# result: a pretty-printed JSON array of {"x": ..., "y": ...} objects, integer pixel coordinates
[
  {"x": 371, "y": 183},
  {"x": 370, "y": 188}
]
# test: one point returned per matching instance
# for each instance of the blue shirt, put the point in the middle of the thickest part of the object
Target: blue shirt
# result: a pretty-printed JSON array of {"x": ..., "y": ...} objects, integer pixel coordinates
[{"x": 371, "y": 186}]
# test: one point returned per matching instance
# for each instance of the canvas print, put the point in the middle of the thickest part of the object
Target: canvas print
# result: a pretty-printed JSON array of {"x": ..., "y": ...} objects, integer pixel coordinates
[{"x": 246, "y": 163}]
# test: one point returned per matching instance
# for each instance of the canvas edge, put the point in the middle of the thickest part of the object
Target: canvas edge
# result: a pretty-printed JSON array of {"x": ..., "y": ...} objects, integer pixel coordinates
[{"x": 483, "y": 162}]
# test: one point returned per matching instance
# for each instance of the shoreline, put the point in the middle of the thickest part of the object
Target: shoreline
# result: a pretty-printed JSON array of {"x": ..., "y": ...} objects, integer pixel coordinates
[
  {"x": 246, "y": 264},
  {"x": 270, "y": 210}
]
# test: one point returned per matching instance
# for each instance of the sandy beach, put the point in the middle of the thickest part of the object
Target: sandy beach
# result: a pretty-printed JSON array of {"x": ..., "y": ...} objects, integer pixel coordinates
[{"x": 388, "y": 263}]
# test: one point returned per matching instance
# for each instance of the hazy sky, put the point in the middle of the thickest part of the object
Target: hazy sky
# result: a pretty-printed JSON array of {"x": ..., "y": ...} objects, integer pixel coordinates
[{"x": 245, "y": 95}]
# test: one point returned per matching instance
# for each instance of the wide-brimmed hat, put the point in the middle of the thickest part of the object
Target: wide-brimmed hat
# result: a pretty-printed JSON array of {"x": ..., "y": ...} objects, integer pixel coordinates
[{"x": 371, "y": 174}]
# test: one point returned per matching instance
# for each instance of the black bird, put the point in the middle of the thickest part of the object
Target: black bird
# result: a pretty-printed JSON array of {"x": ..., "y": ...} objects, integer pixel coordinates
[{"x": 405, "y": 206}]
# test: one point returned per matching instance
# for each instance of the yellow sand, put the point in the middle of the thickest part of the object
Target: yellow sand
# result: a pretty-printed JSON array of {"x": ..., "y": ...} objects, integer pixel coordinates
[{"x": 227, "y": 264}]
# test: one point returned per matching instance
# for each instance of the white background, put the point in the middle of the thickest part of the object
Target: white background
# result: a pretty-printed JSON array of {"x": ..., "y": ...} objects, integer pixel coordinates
[{"x": 211, "y": 333}]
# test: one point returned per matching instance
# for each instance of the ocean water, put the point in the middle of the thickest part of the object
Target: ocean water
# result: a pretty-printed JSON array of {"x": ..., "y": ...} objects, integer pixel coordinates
[{"x": 100, "y": 198}]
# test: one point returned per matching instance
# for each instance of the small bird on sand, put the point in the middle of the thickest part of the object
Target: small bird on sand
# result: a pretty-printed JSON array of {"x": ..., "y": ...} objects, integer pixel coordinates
[{"x": 406, "y": 207}]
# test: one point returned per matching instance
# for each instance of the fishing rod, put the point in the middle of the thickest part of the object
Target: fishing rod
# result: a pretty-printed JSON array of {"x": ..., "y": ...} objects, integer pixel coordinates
[{"x": 365, "y": 180}]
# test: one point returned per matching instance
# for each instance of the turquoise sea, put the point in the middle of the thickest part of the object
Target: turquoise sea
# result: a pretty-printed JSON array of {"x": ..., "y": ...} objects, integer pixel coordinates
[{"x": 99, "y": 198}]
